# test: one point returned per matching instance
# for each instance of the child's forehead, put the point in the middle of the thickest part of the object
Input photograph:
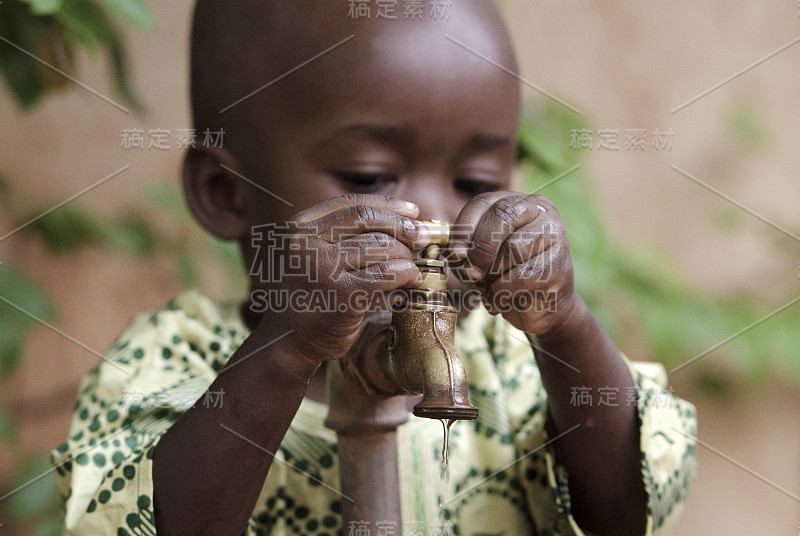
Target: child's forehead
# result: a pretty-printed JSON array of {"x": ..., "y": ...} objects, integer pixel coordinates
[
  {"x": 280, "y": 37},
  {"x": 366, "y": 62},
  {"x": 309, "y": 40},
  {"x": 303, "y": 59}
]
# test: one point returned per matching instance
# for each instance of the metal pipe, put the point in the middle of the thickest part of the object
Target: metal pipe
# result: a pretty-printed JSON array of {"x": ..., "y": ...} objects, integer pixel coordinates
[{"x": 366, "y": 428}]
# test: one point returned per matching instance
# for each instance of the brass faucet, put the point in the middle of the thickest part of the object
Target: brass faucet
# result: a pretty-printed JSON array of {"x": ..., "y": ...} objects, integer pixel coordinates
[
  {"x": 422, "y": 355},
  {"x": 413, "y": 353}
]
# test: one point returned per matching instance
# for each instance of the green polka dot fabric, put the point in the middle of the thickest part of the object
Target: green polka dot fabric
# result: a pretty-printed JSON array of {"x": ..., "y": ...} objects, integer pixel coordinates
[{"x": 504, "y": 477}]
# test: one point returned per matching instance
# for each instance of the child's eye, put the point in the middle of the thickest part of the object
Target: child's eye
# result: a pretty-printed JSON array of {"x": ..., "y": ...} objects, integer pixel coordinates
[
  {"x": 364, "y": 182},
  {"x": 473, "y": 187}
]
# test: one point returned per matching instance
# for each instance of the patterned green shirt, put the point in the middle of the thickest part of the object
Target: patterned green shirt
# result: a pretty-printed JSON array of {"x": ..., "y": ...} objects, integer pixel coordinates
[{"x": 504, "y": 478}]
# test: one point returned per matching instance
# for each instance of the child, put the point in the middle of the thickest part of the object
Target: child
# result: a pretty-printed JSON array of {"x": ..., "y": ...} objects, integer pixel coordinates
[{"x": 353, "y": 130}]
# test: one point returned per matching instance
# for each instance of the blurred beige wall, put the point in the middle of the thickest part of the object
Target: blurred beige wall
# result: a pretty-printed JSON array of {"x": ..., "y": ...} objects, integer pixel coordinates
[{"x": 624, "y": 65}]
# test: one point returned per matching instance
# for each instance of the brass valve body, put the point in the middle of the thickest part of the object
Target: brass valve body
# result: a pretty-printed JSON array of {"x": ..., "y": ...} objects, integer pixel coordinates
[{"x": 422, "y": 352}]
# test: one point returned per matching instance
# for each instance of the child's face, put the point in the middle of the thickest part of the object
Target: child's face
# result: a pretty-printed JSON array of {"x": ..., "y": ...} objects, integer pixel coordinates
[{"x": 400, "y": 110}]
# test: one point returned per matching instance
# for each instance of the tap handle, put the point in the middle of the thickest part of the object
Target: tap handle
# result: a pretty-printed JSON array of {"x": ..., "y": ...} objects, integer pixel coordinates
[
  {"x": 440, "y": 236},
  {"x": 439, "y": 230}
]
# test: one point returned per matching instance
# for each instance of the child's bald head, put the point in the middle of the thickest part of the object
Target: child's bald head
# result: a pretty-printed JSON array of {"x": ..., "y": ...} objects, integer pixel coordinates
[
  {"x": 292, "y": 82},
  {"x": 240, "y": 46}
]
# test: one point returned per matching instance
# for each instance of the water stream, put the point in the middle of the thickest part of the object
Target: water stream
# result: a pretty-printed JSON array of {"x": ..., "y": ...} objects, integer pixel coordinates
[{"x": 445, "y": 474}]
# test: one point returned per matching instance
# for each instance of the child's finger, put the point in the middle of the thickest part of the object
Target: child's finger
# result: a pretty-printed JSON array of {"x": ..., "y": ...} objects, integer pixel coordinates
[
  {"x": 363, "y": 250},
  {"x": 398, "y": 206},
  {"x": 358, "y": 219},
  {"x": 466, "y": 221},
  {"x": 549, "y": 269},
  {"x": 387, "y": 275},
  {"x": 495, "y": 225},
  {"x": 532, "y": 240}
]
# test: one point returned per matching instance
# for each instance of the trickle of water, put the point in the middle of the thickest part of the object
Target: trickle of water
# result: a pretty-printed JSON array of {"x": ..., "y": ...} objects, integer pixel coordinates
[
  {"x": 446, "y": 424},
  {"x": 445, "y": 474},
  {"x": 442, "y": 527}
]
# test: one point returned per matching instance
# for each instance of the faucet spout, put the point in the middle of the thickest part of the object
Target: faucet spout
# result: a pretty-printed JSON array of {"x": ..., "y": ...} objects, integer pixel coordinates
[{"x": 424, "y": 361}]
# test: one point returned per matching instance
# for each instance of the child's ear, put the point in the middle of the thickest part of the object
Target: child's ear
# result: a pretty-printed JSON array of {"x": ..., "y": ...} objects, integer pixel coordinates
[{"x": 216, "y": 197}]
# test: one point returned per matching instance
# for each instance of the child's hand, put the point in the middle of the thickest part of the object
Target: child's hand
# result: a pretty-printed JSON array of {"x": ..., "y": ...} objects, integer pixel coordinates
[
  {"x": 347, "y": 250},
  {"x": 514, "y": 247}
]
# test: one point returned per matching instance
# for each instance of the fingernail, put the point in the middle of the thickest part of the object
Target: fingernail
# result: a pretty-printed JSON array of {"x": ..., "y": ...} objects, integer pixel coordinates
[
  {"x": 423, "y": 234},
  {"x": 475, "y": 274},
  {"x": 399, "y": 204},
  {"x": 458, "y": 252}
]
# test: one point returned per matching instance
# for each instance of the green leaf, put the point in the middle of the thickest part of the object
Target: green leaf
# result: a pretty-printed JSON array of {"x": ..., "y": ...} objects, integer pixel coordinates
[
  {"x": 230, "y": 256},
  {"x": 23, "y": 293},
  {"x": 119, "y": 65},
  {"x": 85, "y": 22},
  {"x": 8, "y": 431},
  {"x": 131, "y": 235},
  {"x": 37, "y": 495},
  {"x": 188, "y": 272},
  {"x": 68, "y": 229},
  {"x": 714, "y": 384},
  {"x": 67, "y": 22},
  {"x": 49, "y": 527},
  {"x": 20, "y": 71},
  {"x": 544, "y": 136},
  {"x": 229, "y": 253},
  {"x": 71, "y": 228},
  {"x": 10, "y": 346},
  {"x": 747, "y": 127},
  {"x": 43, "y": 7},
  {"x": 167, "y": 198},
  {"x": 134, "y": 12}
]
